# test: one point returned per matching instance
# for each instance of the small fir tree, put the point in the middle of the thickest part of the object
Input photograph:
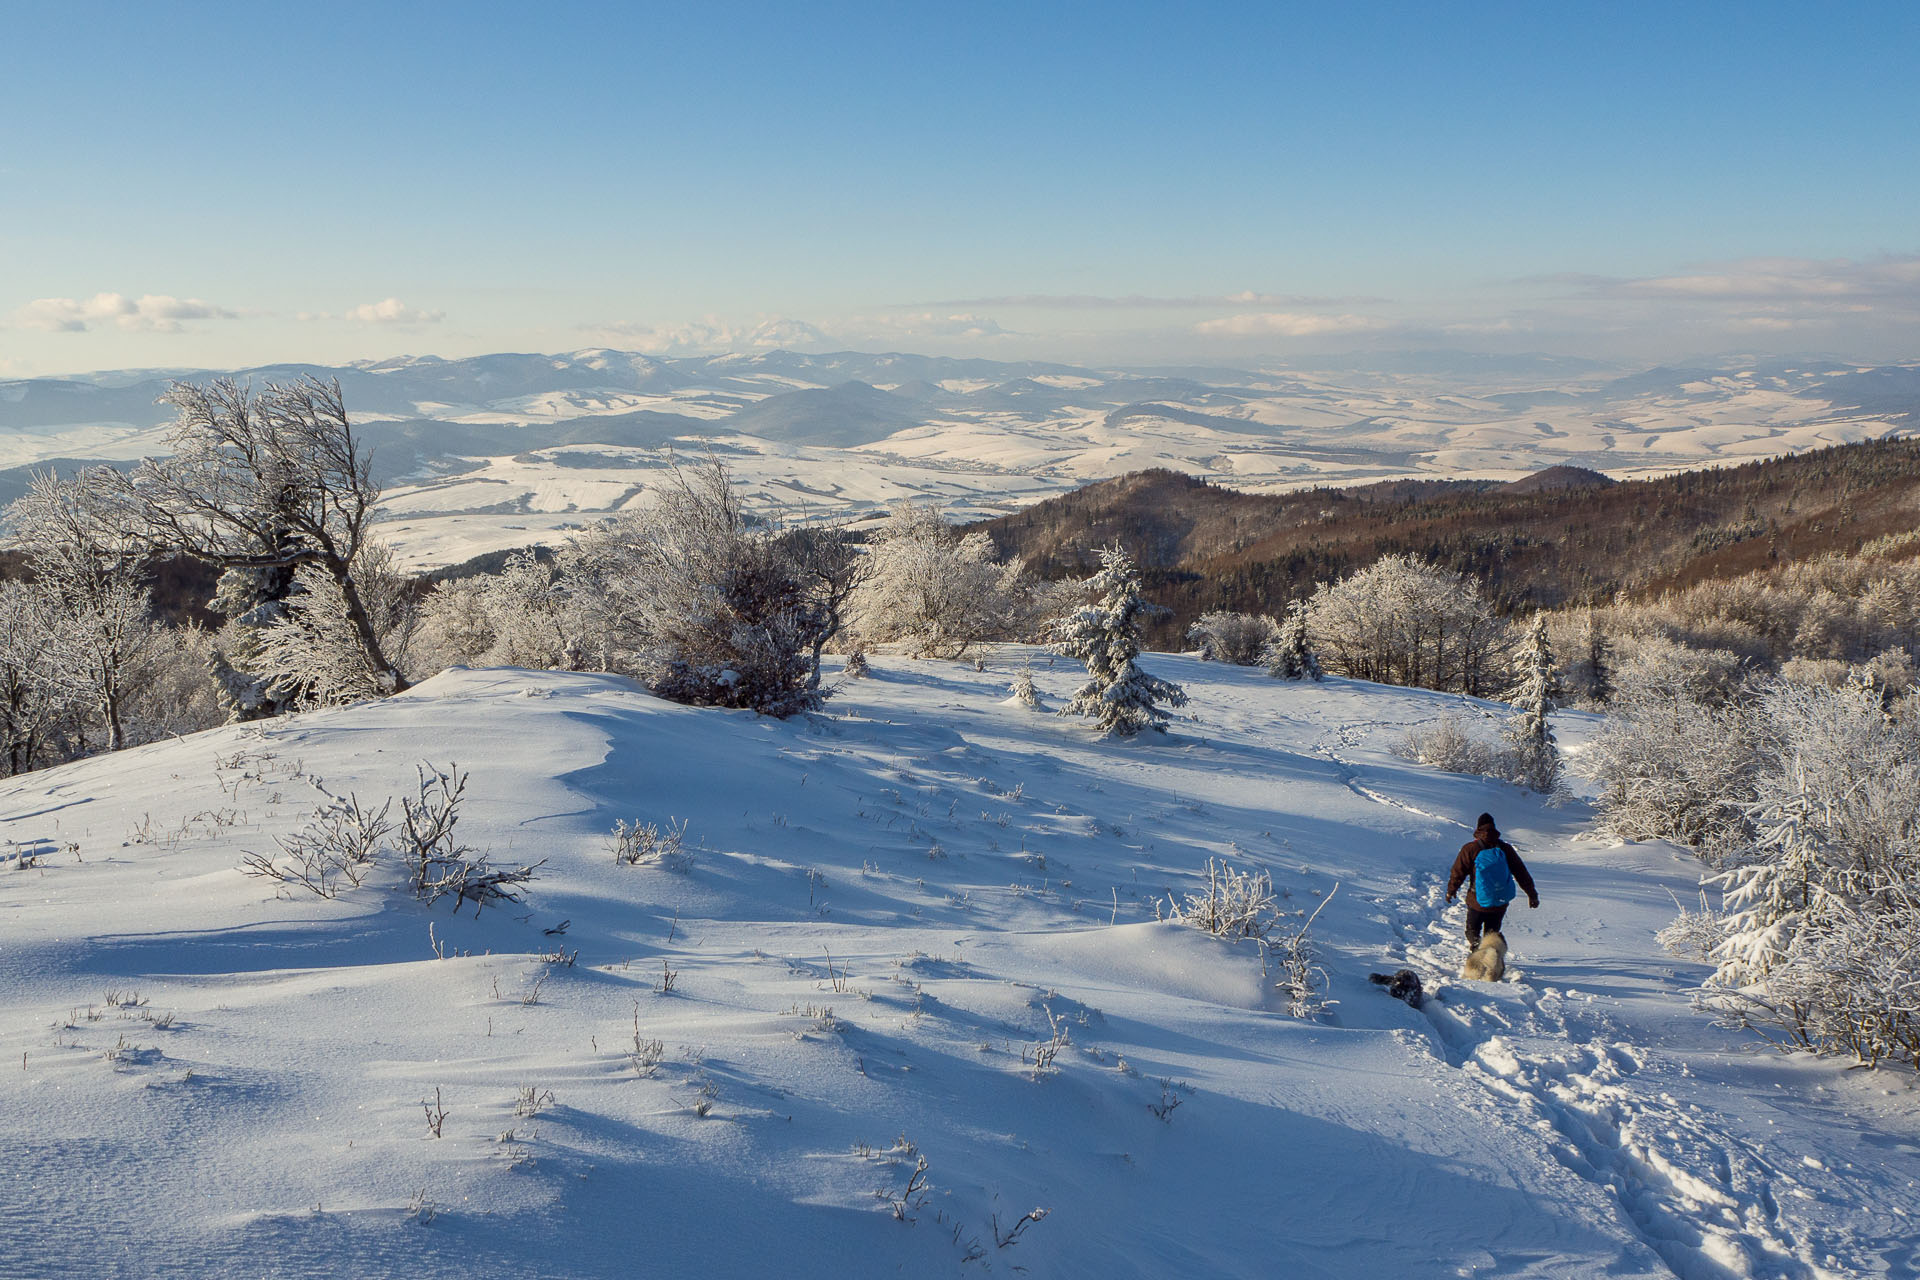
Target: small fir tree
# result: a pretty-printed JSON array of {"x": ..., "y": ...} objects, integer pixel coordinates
[
  {"x": 1290, "y": 656},
  {"x": 1105, "y": 635},
  {"x": 1535, "y": 696},
  {"x": 1024, "y": 691}
]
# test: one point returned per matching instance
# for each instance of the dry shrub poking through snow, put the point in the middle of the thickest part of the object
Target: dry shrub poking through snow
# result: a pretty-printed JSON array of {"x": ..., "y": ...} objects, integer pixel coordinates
[
  {"x": 1235, "y": 904},
  {"x": 1301, "y": 977},
  {"x": 645, "y": 844},
  {"x": 338, "y": 845}
]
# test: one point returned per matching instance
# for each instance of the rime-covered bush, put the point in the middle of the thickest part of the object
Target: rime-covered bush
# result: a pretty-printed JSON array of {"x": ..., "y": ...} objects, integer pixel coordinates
[
  {"x": 1289, "y": 655},
  {"x": 1404, "y": 621},
  {"x": 1234, "y": 904},
  {"x": 699, "y": 603},
  {"x": 1821, "y": 934},
  {"x": 936, "y": 589},
  {"x": 1121, "y": 697},
  {"x": 1239, "y": 638},
  {"x": 1677, "y": 756},
  {"x": 1453, "y": 745}
]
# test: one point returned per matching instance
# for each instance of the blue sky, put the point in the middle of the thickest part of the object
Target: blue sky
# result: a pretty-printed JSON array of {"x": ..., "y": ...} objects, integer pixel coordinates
[{"x": 216, "y": 185}]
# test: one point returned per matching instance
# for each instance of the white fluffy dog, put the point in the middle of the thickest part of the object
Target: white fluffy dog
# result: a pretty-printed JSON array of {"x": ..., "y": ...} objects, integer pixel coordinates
[{"x": 1488, "y": 963}]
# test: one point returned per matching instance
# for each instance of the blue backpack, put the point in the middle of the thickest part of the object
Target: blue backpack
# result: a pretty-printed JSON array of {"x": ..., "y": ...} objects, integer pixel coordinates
[{"x": 1492, "y": 881}]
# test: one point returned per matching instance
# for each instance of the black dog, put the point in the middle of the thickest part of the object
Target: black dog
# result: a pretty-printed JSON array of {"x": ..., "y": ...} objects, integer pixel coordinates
[{"x": 1402, "y": 984}]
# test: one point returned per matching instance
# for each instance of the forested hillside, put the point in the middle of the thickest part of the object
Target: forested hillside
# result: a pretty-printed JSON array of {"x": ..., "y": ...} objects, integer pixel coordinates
[{"x": 1581, "y": 538}]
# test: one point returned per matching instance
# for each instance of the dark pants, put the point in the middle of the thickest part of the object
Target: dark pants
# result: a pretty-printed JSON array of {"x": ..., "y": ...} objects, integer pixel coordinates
[{"x": 1479, "y": 918}]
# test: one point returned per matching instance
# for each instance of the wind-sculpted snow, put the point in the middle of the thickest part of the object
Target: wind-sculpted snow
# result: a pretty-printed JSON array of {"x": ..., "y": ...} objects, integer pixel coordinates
[
  {"x": 920, "y": 926},
  {"x": 505, "y": 450}
]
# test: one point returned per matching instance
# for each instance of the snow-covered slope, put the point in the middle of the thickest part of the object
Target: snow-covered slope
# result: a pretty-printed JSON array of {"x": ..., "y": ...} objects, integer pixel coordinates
[
  {"x": 488, "y": 452},
  {"x": 891, "y": 909}
]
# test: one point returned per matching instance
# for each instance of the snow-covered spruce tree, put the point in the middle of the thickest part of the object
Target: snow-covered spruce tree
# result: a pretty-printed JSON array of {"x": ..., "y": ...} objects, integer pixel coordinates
[
  {"x": 1105, "y": 635},
  {"x": 1290, "y": 656},
  {"x": 1535, "y": 695},
  {"x": 1822, "y": 927},
  {"x": 1024, "y": 690},
  {"x": 1239, "y": 638},
  {"x": 271, "y": 479},
  {"x": 934, "y": 588},
  {"x": 91, "y": 582}
]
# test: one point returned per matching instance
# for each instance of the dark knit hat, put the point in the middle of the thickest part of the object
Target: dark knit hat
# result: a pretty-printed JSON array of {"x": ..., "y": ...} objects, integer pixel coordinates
[{"x": 1486, "y": 821}]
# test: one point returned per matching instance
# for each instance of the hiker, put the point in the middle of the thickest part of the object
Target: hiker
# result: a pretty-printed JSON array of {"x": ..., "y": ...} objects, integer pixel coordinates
[{"x": 1489, "y": 867}]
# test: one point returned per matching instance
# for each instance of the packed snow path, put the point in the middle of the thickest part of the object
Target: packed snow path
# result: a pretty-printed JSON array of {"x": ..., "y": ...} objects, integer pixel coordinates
[{"x": 919, "y": 927}]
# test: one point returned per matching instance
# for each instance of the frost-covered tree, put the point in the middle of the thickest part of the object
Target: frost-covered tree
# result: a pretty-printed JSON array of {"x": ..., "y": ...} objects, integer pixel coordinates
[
  {"x": 311, "y": 646},
  {"x": 92, "y": 584},
  {"x": 1290, "y": 655},
  {"x": 1536, "y": 693},
  {"x": 831, "y": 567},
  {"x": 1591, "y": 672},
  {"x": 1239, "y": 638},
  {"x": 262, "y": 481},
  {"x": 1122, "y": 698},
  {"x": 1677, "y": 754},
  {"x": 1404, "y": 621},
  {"x": 935, "y": 588},
  {"x": 1821, "y": 936},
  {"x": 38, "y": 714},
  {"x": 526, "y": 615}
]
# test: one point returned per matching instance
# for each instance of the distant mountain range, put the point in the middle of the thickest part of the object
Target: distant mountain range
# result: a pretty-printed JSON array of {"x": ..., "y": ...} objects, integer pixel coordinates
[{"x": 499, "y": 450}]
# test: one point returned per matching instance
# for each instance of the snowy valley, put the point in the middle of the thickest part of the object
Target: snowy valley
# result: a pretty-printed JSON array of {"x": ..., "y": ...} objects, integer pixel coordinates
[
  {"x": 488, "y": 452},
  {"x": 908, "y": 982}
]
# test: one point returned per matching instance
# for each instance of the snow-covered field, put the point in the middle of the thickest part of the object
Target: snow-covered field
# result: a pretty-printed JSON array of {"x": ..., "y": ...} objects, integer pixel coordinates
[
  {"x": 503, "y": 450},
  {"x": 892, "y": 909}
]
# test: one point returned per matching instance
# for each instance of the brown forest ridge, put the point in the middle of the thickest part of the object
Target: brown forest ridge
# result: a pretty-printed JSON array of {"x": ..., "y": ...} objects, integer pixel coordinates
[{"x": 1563, "y": 536}]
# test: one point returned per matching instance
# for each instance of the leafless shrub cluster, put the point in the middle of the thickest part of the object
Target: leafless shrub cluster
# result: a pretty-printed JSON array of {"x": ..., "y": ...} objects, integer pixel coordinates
[
  {"x": 344, "y": 839},
  {"x": 645, "y": 844},
  {"x": 1301, "y": 977},
  {"x": 1235, "y": 904},
  {"x": 437, "y": 863},
  {"x": 338, "y": 847},
  {"x": 1041, "y": 1055}
]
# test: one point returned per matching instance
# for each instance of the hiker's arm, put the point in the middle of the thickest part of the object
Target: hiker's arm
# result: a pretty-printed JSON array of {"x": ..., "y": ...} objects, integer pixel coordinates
[
  {"x": 1459, "y": 874},
  {"x": 1522, "y": 876}
]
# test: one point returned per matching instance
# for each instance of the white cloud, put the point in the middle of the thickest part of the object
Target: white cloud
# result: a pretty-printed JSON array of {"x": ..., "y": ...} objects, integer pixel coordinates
[
  {"x": 393, "y": 311},
  {"x": 1150, "y": 302},
  {"x": 921, "y": 324},
  {"x": 1812, "y": 281},
  {"x": 711, "y": 335},
  {"x": 152, "y": 313},
  {"x": 1287, "y": 324}
]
